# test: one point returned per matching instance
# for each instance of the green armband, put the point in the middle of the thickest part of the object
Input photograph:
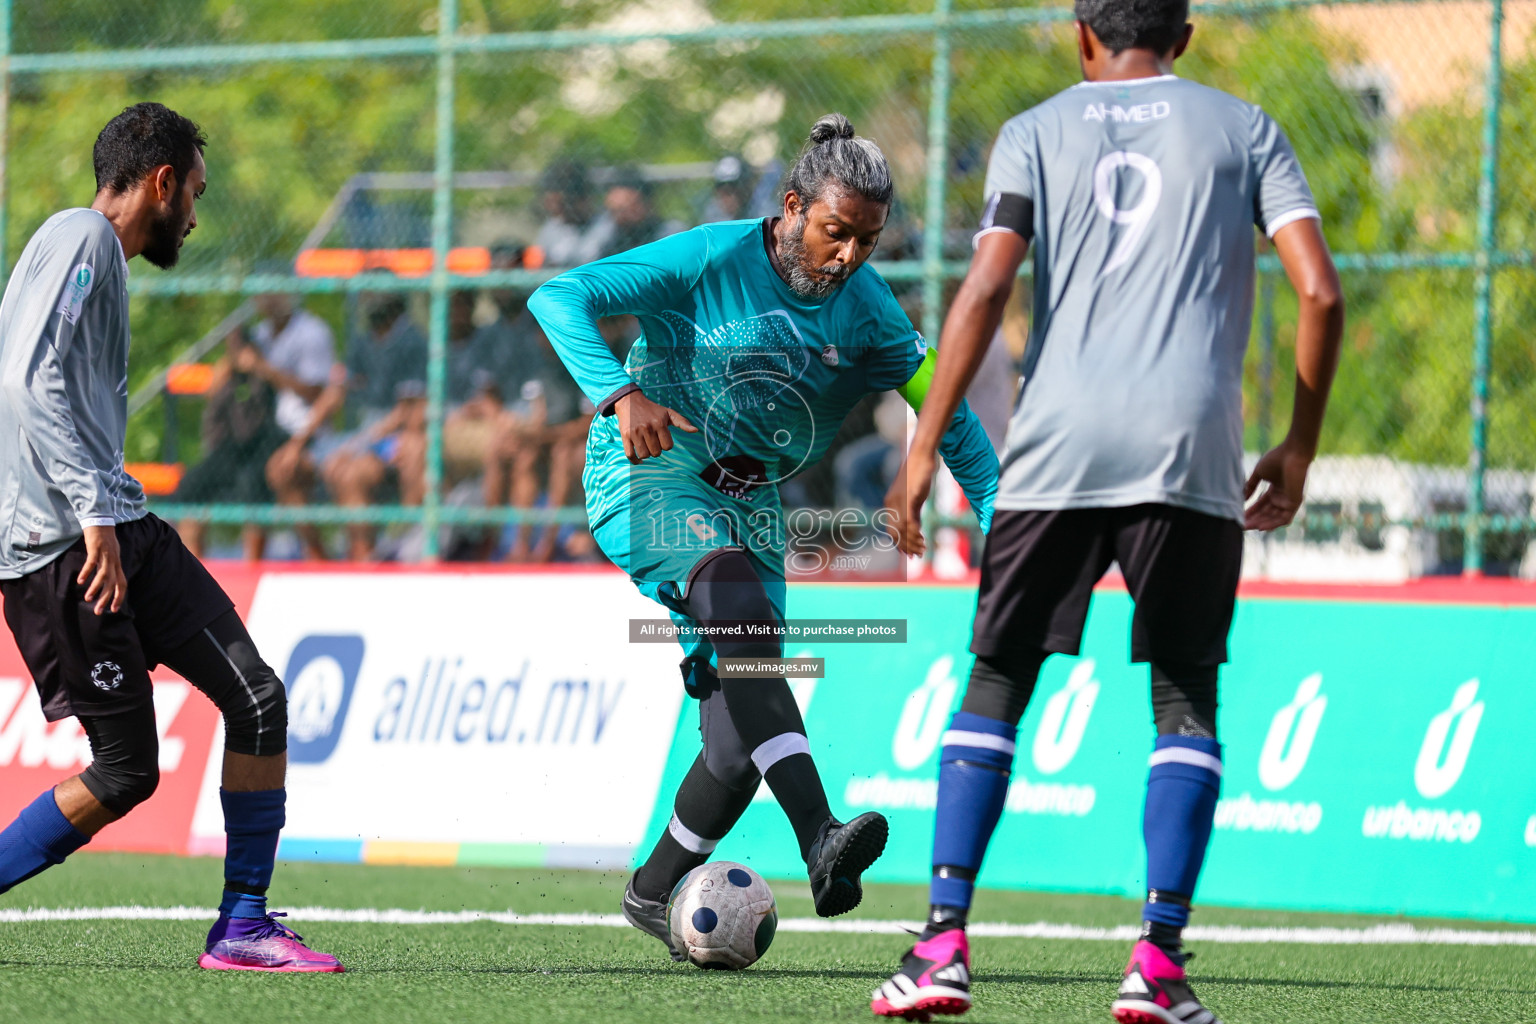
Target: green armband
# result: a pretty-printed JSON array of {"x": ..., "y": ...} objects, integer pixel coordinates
[{"x": 916, "y": 389}]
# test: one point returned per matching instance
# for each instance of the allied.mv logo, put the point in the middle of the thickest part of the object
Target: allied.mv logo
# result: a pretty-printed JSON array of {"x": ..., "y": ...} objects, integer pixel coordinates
[{"x": 107, "y": 675}]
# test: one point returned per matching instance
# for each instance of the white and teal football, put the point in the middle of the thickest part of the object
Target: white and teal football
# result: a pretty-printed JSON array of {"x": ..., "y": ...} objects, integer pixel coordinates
[{"x": 722, "y": 916}]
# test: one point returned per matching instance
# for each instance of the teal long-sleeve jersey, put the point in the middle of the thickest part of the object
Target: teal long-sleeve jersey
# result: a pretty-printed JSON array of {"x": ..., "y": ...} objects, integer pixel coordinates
[{"x": 766, "y": 375}]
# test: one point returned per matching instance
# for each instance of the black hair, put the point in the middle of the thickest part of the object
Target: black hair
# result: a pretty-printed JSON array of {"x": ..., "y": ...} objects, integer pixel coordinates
[
  {"x": 1154, "y": 25},
  {"x": 141, "y": 138},
  {"x": 566, "y": 175},
  {"x": 835, "y": 157},
  {"x": 386, "y": 309}
]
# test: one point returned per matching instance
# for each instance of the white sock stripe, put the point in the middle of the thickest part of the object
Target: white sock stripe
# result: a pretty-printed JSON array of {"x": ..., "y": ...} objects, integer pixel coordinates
[
  {"x": 690, "y": 840},
  {"x": 984, "y": 740},
  {"x": 785, "y": 744},
  {"x": 1184, "y": 755}
]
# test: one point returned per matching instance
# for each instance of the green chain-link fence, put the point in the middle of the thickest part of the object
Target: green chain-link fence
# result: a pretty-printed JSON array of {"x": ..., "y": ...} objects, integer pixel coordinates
[{"x": 380, "y": 156}]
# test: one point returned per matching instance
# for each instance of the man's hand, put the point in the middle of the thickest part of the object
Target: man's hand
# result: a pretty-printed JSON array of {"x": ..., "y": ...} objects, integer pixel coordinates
[
  {"x": 910, "y": 490},
  {"x": 104, "y": 569},
  {"x": 1284, "y": 470},
  {"x": 645, "y": 426}
]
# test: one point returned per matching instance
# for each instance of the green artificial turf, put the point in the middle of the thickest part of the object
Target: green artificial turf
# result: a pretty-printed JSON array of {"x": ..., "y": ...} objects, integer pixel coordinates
[{"x": 142, "y": 971}]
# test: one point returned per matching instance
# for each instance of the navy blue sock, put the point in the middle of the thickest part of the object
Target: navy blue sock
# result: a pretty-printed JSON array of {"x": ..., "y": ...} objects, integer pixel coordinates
[
  {"x": 252, "y": 823},
  {"x": 974, "y": 768},
  {"x": 1181, "y": 806},
  {"x": 39, "y": 838}
]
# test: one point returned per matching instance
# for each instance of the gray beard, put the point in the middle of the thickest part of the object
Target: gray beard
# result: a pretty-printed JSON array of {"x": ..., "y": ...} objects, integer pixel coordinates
[{"x": 804, "y": 280}]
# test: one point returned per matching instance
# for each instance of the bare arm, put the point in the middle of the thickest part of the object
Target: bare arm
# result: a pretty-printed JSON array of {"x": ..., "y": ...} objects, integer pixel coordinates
[
  {"x": 968, "y": 331},
  {"x": 1319, "y": 331}
]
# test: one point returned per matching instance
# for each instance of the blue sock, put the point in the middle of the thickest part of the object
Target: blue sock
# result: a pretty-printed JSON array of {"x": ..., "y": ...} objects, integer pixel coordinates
[
  {"x": 39, "y": 838},
  {"x": 252, "y": 823},
  {"x": 974, "y": 767},
  {"x": 1181, "y": 807}
]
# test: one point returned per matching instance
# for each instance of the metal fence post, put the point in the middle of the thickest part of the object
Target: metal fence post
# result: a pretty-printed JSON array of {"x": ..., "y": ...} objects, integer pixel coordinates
[
  {"x": 938, "y": 168},
  {"x": 442, "y": 240},
  {"x": 1487, "y": 242}
]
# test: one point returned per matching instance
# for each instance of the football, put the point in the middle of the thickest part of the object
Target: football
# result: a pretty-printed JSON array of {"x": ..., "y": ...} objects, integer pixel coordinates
[{"x": 722, "y": 916}]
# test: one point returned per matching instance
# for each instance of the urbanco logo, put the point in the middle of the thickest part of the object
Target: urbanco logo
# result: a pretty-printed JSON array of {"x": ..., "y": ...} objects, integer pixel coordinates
[
  {"x": 1291, "y": 733},
  {"x": 1440, "y": 764},
  {"x": 1065, "y": 720},
  {"x": 925, "y": 715},
  {"x": 322, "y": 673}
]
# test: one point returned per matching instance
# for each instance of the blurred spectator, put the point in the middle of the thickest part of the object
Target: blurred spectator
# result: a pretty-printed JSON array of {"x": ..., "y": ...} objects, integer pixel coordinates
[
  {"x": 865, "y": 468},
  {"x": 240, "y": 432},
  {"x": 298, "y": 353},
  {"x": 732, "y": 193},
  {"x": 571, "y": 234},
  {"x": 386, "y": 374},
  {"x": 629, "y": 201},
  {"x": 478, "y": 374},
  {"x": 545, "y": 420}
]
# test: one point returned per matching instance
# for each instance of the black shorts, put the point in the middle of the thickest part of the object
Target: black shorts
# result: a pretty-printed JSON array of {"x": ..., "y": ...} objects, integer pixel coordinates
[
  {"x": 92, "y": 665},
  {"x": 1039, "y": 569}
]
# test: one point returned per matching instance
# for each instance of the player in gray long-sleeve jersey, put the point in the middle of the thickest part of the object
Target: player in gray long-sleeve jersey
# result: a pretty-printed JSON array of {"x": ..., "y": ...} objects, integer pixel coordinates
[
  {"x": 97, "y": 590},
  {"x": 1140, "y": 193}
]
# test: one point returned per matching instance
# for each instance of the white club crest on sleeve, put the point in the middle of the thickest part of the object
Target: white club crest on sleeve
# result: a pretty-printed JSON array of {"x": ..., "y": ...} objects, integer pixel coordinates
[{"x": 75, "y": 291}]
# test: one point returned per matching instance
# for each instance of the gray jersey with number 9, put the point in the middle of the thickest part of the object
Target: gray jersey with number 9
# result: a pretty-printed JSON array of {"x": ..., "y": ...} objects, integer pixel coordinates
[{"x": 1143, "y": 196}]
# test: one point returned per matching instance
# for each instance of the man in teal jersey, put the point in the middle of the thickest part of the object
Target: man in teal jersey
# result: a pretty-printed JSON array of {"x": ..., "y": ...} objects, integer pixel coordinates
[{"x": 758, "y": 338}]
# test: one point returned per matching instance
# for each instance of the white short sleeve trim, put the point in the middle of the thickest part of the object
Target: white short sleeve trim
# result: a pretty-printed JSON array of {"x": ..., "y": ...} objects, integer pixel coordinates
[
  {"x": 1302, "y": 213},
  {"x": 976, "y": 238},
  {"x": 98, "y": 521}
]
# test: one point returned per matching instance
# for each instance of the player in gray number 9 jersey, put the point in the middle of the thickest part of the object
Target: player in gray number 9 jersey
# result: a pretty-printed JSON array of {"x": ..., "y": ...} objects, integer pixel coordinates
[
  {"x": 1140, "y": 193},
  {"x": 1144, "y": 198}
]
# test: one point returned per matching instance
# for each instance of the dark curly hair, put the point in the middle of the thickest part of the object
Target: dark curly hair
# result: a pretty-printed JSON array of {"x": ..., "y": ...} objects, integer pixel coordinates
[
  {"x": 1134, "y": 24},
  {"x": 141, "y": 138}
]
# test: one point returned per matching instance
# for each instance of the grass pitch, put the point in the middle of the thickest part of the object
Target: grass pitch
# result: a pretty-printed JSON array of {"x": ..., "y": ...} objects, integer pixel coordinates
[{"x": 143, "y": 971}]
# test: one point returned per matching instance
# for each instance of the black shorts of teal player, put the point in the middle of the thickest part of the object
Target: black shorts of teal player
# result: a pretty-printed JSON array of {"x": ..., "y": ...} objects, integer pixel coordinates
[{"x": 767, "y": 376}]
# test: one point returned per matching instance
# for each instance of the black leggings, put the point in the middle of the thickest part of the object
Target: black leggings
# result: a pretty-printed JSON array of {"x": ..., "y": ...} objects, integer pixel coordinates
[
  {"x": 726, "y": 590},
  {"x": 1183, "y": 696},
  {"x": 222, "y": 662}
]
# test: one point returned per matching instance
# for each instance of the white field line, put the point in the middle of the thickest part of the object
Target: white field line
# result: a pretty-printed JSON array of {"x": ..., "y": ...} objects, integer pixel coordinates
[{"x": 1376, "y": 935}]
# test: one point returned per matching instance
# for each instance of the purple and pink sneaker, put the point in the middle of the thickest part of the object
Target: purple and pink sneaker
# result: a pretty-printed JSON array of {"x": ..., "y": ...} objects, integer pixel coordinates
[
  {"x": 1154, "y": 991},
  {"x": 261, "y": 944},
  {"x": 935, "y": 977}
]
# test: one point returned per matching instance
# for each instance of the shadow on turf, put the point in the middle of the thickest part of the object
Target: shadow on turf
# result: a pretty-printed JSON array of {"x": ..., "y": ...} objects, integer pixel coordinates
[{"x": 773, "y": 974}]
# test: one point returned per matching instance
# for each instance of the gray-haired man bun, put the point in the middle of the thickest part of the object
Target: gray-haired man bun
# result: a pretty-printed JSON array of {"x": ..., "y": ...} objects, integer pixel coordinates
[{"x": 97, "y": 590}]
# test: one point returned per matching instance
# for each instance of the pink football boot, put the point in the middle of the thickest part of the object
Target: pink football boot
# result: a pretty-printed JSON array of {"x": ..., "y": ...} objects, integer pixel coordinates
[
  {"x": 935, "y": 977},
  {"x": 1154, "y": 991},
  {"x": 261, "y": 944}
]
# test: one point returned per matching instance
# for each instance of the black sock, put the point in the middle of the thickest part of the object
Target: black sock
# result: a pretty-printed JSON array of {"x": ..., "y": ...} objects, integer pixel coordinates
[
  {"x": 704, "y": 810},
  {"x": 796, "y": 784},
  {"x": 942, "y": 919}
]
